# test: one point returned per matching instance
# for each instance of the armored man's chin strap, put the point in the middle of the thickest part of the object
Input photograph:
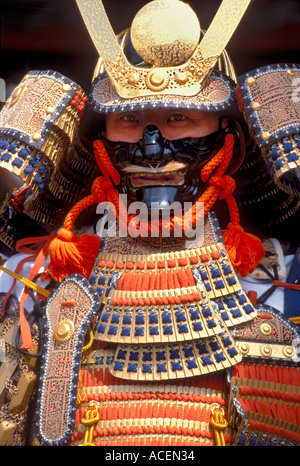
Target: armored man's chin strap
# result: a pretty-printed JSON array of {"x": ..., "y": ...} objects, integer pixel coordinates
[{"x": 170, "y": 168}]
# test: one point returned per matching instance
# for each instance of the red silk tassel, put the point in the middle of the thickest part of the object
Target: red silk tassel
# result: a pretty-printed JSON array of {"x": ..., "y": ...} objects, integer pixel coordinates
[{"x": 244, "y": 249}]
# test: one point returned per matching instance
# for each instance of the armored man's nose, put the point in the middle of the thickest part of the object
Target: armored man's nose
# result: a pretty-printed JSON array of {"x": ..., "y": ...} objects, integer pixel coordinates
[{"x": 153, "y": 147}]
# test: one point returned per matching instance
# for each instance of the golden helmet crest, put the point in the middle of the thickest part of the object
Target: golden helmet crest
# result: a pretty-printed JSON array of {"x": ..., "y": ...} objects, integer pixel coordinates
[{"x": 166, "y": 35}]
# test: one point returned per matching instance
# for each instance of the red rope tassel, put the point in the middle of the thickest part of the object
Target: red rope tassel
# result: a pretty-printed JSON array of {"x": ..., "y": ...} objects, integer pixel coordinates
[{"x": 70, "y": 254}]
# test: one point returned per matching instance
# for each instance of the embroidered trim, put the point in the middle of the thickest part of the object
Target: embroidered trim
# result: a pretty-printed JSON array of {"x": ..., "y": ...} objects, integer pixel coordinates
[
  {"x": 61, "y": 358},
  {"x": 271, "y": 118},
  {"x": 218, "y": 94}
]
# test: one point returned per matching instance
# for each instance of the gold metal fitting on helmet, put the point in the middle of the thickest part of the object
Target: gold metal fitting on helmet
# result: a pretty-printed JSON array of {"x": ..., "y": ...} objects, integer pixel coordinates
[{"x": 165, "y": 33}]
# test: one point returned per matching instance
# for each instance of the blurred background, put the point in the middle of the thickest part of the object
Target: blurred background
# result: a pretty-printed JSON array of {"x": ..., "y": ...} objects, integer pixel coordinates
[{"x": 50, "y": 34}]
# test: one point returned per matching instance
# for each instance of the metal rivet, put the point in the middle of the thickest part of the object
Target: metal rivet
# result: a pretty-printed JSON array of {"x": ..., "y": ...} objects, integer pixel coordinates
[
  {"x": 291, "y": 72},
  {"x": 265, "y": 135},
  {"x": 255, "y": 106},
  {"x": 265, "y": 350},
  {"x": 181, "y": 78},
  {"x": 250, "y": 81},
  {"x": 50, "y": 110},
  {"x": 244, "y": 348},
  {"x": 66, "y": 87},
  {"x": 16, "y": 95},
  {"x": 266, "y": 329},
  {"x": 156, "y": 78},
  {"x": 133, "y": 79},
  {"x": 64, "y": 331},
  {"x": 288, "y": 351},
  {"x": 37, "y": 136}
]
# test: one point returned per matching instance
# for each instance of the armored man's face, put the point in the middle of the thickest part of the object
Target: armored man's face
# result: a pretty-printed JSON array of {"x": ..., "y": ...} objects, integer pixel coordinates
[{"x": 159, "y": 152}]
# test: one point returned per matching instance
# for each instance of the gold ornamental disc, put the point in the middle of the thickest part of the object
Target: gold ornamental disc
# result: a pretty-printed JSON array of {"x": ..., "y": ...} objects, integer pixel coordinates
[
  {"x": 157, "y": 80},
  {"x": 63, "y": 331}
]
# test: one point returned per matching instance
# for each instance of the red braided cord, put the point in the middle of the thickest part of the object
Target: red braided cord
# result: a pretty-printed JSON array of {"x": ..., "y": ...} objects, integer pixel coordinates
[
  {"x": 209, "y": 197},
  {"x": 104, "y": 162}
]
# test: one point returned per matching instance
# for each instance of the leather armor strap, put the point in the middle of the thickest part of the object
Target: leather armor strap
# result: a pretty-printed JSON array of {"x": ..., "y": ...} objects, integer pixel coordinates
[{"x": 68, "y": 312}]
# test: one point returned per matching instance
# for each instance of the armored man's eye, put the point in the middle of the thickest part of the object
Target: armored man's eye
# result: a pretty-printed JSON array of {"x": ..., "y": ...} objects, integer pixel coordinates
[
  {"x": 129, "y": 117},
  {"x": 177, "y": 117}
]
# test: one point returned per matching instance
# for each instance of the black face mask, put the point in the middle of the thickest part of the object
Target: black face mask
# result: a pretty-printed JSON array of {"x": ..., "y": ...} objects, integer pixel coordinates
[{"x": 156, "y": 152}]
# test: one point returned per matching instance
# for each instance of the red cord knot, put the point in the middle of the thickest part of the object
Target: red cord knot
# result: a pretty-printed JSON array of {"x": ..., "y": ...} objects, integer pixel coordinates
[
  {"x": 225, "y": 184},
  {"x": 66, "y": 235},
  {"x": 100, "y": 187},
  {"x": 235, "y": 226}
]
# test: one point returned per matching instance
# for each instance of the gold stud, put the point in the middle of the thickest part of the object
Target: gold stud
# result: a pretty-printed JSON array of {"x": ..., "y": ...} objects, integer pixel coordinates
[
  {"x": 37, "y": 136},
  {"x": 50, "y": 110},
  {"x": 64, "y": 331},
  {"x": 133, "y": 79},
  {"x": 265, "y": 135},
  {"x": 266, "y": 329},
  {"x": 244, "y": 348},
  {"x": 265, "y": 350},
  {"x": 250, "y": 81},
  {"x": 66, "y": 88},
  {"x": 156, "y": 78},
  {"x": 16, "y": 95},
  {"x": 288, "y": 351},
  {"x": 181, "y": 78},
  {"x": 291, "y": 72},
  {"x": 255, "y": 106}
]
